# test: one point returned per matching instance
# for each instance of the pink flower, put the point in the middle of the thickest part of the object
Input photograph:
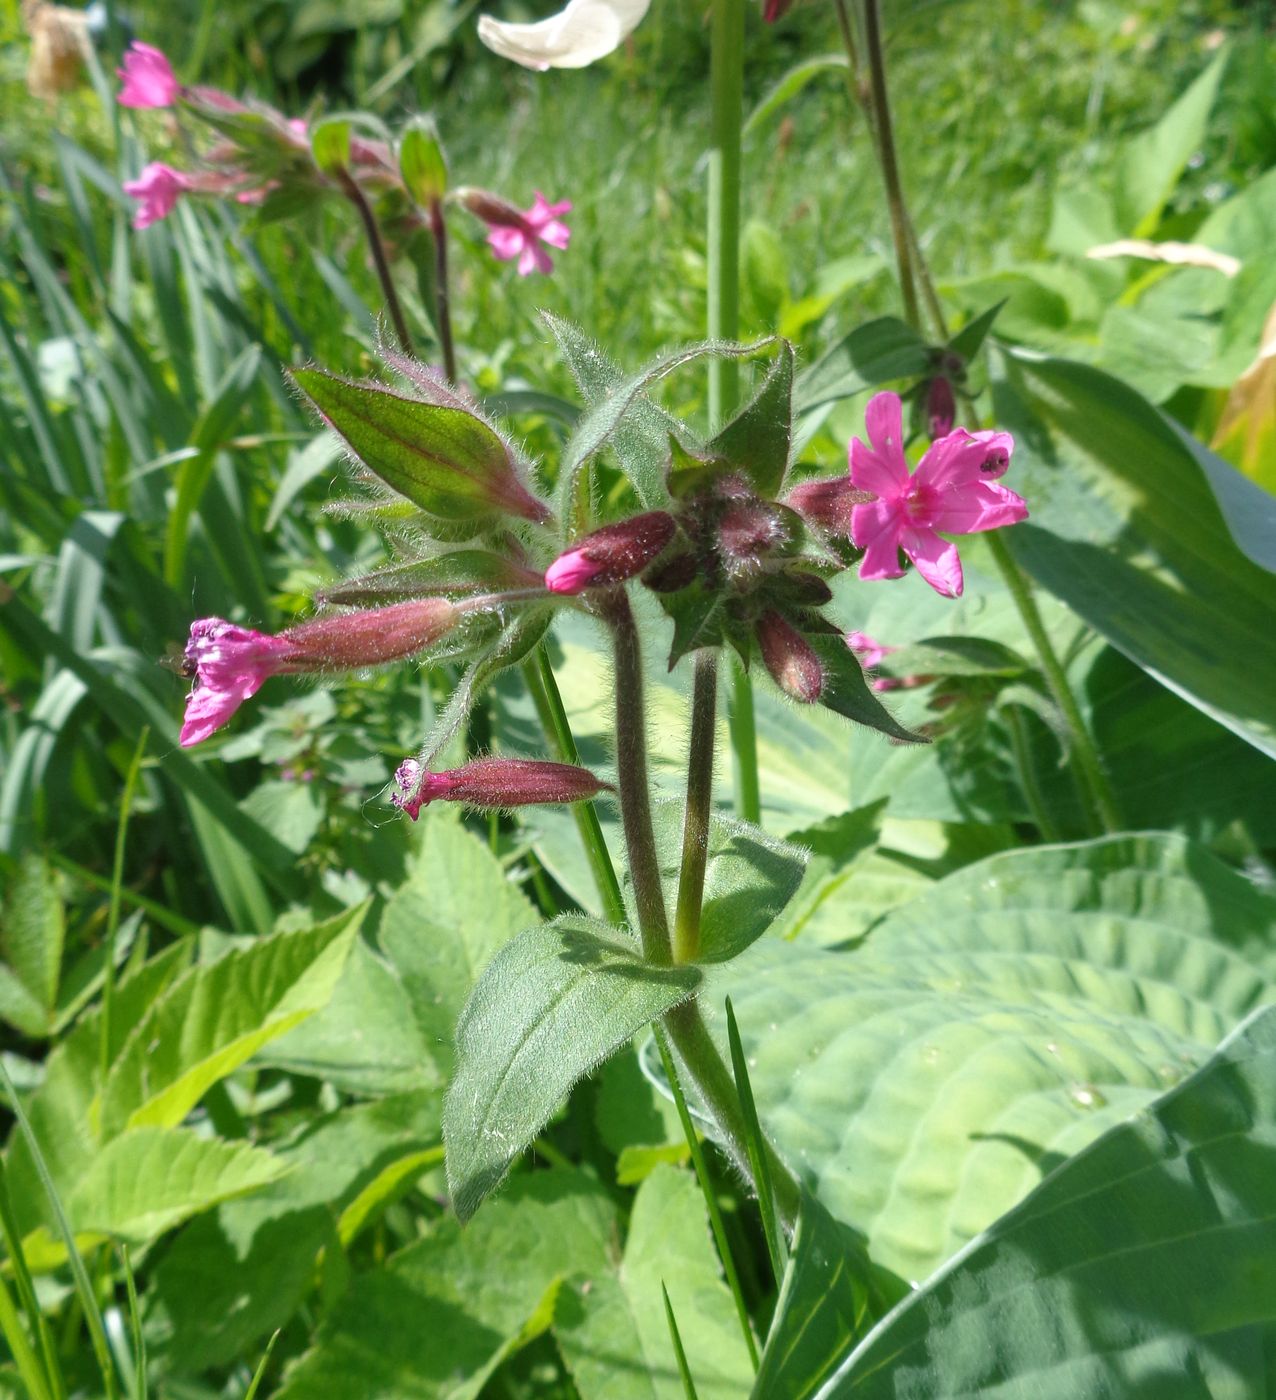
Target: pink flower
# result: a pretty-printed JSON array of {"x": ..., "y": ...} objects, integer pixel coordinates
[
  {"x": 951, "y": 490},
  {"x": 521, "y": 237},
  {"x": 494, "y": 783},
  {"x": 148, "y": 77},
  {"x": 230, "y": 664},
  {"x": 158, "y": 187},
  {"x": 868, "y": 652}
]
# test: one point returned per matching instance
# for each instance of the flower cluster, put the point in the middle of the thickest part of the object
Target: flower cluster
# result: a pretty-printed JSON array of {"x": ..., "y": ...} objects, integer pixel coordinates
[{"x": 261, "y": 157}]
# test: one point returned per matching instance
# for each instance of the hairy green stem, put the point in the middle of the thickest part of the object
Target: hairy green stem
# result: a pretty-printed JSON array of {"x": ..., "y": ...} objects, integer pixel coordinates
[
  {"x": 539, "y": 675},
  {"x": 442, "y": 292},
  {"x": 1084, "y": 753},
  {"x": 355, "y": 195},
  {"x": 695, "y": 821},
  {"x": 631, "y": 772}
]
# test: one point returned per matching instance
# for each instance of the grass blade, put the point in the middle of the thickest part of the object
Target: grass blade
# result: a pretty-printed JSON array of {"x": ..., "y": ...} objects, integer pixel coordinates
[
  {"x": 261, "y": 1366},
  {"x": 23, "y": 1356},
  {"x": 688, "y": 1385},
  {"x": 55, "y": 1384},
  {"x": 140, "y": 1387},
  {"x": 113, "y": 915}
]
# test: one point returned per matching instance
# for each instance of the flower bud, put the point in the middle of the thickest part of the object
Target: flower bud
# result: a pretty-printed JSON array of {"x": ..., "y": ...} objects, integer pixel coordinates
[
  {"x": 750, "y": 529},
  {"x": 494, "y": 783},
  {"x": 827, "y": 502},
  {"x": 941, "y": 407},
  {"x": 612, "y": 554},
  {"x": 773, "y": 10},
  {"x": 230, "y": 663},
  {"x": 790, "y": 658}
]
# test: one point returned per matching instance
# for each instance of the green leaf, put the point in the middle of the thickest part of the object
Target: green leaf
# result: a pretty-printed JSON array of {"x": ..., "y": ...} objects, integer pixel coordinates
[
  {"x": 148, "y": 1180},
  {"x": 611, "y": 1328},
  {"x": 788, "y": 87},
  {"x": 1141, "y": 1267},
  {"x": 31, "y": 938},
  {"x": 459, "y": 573},
  {"x": 871, "y": 354},
  {"x": 757, "y": 439},
  {"x": 554, "y": 1003},
  {"x": 1126, "y": 530},
  {"x": 217, "y": 1016},
  {"x": 970, "y": 338},
  {"x": 955, "y": 656},
  {"x": 847, "y": 693},
  {"x": 822, "y": 1308},
  {"x": 330, "y": 145},
  {"x": 927, "y": 1079},
  {"x": 437, "y": 1320},
  {"x": 445, "y": 460},
  {"x": 441, "y": 928},
  {"x": 698, "y": 618},
  {"x": 422, "y": 164},
  {"x": 1152, "y": 162},
  {"x": 837, "y": 846}
]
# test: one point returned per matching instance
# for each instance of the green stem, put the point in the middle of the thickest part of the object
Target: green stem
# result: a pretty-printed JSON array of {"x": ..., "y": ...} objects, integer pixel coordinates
[
  {"x": 631, "y": 774},
  {"x": 442, "y": 292},
  {"x": 351, "y": 190},
  {"x": 1084, "y": 753},
  {"x": 113, "y": 911},
  {"x": 726, "y": 83},
  {"x": 695, "y": 822},
  {"x": 888, "y": 161},
  {"x": 539, "y": 675},
  {"x": 1019, "y": 743}
]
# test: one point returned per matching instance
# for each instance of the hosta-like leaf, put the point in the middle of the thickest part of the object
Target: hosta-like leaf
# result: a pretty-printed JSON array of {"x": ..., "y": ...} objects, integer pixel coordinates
[
  {"x": 611, "y": 1327},
  {"x": 925, "y": 1081},
  {"x": 1143, "y": 1267},
  {"x": 552, "y": 1004}
]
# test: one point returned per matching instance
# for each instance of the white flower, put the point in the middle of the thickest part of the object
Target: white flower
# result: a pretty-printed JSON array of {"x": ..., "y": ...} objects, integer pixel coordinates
[{"x": 585, "y": 31}]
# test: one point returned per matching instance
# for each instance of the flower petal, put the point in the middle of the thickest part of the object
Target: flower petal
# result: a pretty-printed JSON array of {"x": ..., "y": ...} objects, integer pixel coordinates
[
  {"x": 881, "y": 468},
  {"x": 951, "y": 461},
  {"x": 875, "y": 528},
  {"x": 937, "y": 559},
  {"x": 980, "y": 506},
  {"x": 585, "y": 31}
]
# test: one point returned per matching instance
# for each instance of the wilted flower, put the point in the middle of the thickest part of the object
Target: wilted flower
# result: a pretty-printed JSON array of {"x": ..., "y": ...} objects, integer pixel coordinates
[
  {"x": 790, "y": 658},
  {"x": 230, "y": 663},
  {"x": 585, "y": 31},
  {"x": 494, "y": 783},
  {"x": 148, "y": 77},
  {"x": 613, "y": 554},
  {"x": 951, "y": 490},
  {"x": 158, "y": 188}
]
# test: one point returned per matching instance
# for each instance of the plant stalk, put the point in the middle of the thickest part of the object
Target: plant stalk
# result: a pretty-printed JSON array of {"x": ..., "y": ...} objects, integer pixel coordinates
[
  {"x": 539, "y": 675},
  {"x": 632, "y": 780},
  {"x": 113, "y": 912},
  {"x": 695, "y": 821},
  {"x": 442, "y": 291},
  {"x": 1084, "y": 753},
  {"x": 355, "y": 195}
]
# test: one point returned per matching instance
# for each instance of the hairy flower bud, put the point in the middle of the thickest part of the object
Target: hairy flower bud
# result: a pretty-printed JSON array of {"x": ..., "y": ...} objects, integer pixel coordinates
[
  {"x": 494, "y": 783},
  {"x": 941, "y": 407},
  {"x": 790, "y": 658},
  {"x": 751, "y": 529},
  {"x": 613, "y": 554},
  {"x": 231, "y": 663},
  {"x": 827, "y": 503}
]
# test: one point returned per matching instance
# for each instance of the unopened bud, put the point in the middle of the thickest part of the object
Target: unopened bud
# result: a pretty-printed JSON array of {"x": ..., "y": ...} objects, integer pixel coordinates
[
  {"x": 790, "y": 658},
  {"x": 494, "y": 783},
  {"x": 941, "y": 407},
  {"x": 613, "y": 554},
  {"x": 827, "y": 503},
  {"x": 751, "y": 529},
  {"x": 773, "y": 10}
]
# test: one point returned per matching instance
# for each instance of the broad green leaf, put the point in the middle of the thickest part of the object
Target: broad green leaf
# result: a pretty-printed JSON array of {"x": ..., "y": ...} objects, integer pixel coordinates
[
  {"x": 1126, "y": 529},
  {"x": 292, "y": 810},
  {"x": 926, "y": 1080},
  {"x": 955, "y": 656},
  {"x": 970, "y": 338},
  {"x": 234, "y": 1275},
  {"x": 871, "y": 354},
  {"x": 1153, "y": 161},
  {"x": 822, "y": 1307},
  {"x": 551, "y": 1005},
  {"x": 148, "y": 1180},
  {"x": 757, "y": 439},
  {"x": 217, "y": 1016},
  {"x": 446, "y": 460},
  {"x": 847, "y": 693},
  {"x": 837, "y": 847},
  {"x": 1142, "y": 1267},
  {"x": 422, "y": 163},
  {"x": 31, "y": 938},
  {"x": 442, "y": 1314},
  {"x": 698, "y": 615},
  {"x": 443, "y": 925},
  {"x": 611, "y": 1326}
]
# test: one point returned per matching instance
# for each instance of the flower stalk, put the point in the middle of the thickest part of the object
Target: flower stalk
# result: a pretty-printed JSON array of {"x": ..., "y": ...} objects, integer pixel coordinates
[
  {"x": 350, "y": 188},
  {"x": 442, "y": 291},
  {"x": 695, "y": 822}
]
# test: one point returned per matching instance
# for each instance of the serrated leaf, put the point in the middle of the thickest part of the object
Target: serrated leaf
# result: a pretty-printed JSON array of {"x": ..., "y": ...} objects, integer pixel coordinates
[
  {"x": 1143, "y": 1266},
  {"x": 550, "y": 1006},
  {"x": 927, "y": 1079},
  {"x": 612, "y": 1331},
  {"x": 847, "y": 692},
  {"x": 757, "y": 440},
  {"x": 445, "y": 460},
  {"x": 217, "y": 1016},
  {"x": 871, "y": 354}
]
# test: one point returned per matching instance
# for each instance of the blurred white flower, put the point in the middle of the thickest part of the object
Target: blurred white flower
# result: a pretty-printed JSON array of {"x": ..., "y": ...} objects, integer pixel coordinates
[{"x": 585, "y": 31}]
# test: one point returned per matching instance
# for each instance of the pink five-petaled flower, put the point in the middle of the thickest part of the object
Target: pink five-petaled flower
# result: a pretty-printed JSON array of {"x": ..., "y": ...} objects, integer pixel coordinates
[
  {"x": 230, "y": 663},
  {"x": 951, "y": 490},
  {"x": 521, "y": 238},
  {"x": 158, "y": 188},
  {"x": 148, "y": 77},
  {"x": 493, "y": 783}
]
